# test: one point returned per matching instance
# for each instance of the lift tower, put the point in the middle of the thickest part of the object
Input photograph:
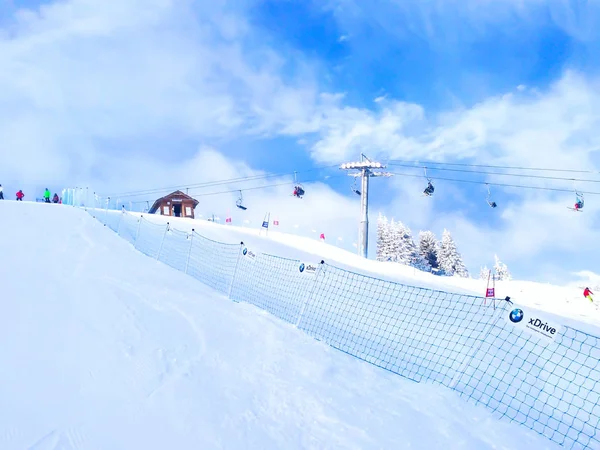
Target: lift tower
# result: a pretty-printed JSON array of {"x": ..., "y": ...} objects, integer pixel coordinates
[{"x": 364, "y": 169}]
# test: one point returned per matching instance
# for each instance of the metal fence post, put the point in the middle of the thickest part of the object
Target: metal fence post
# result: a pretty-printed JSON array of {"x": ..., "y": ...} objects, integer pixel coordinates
[
  {"x": 162, "y": 241},
  {"x": 106, "y": 212},
  {"x": 119, "y": 224},
  {"x": 311, "y": 292},
  {"x": 187, "y": 263},
  {"x": 137, "y": 233},
  {"x": 237, "y": 262}
]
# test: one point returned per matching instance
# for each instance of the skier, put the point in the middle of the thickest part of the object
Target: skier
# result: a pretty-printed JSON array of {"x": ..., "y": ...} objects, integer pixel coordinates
[
  {"x": 20, "y": 195},
  {"x": 1, "y": 193},
  {"x": 588, "y": 294},
  {"x": 47, "y": 196},
  {"x": 55, "y": 198}
]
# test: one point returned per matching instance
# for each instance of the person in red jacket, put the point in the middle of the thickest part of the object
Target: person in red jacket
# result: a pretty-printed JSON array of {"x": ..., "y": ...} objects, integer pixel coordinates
[
  {"x": 588, "y": 294},
  {"x": 20, "y": 195}
]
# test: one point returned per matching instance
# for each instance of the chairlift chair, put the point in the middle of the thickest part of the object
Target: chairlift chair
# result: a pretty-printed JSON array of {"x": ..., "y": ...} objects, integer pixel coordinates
[
  {"x": 578, "y": 202},
  {"x": 298, "y": 188},
  {"x": 240, "y": 202},
  {"x": 429, "y": 190},
  {"x": 354, "y": 188},
  {"x": 492, "y": 204}
]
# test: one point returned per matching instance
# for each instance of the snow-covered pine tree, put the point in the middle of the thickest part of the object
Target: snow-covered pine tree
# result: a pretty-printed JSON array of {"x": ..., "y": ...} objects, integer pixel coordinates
[
  {"x": 408, "y": 252},
  {"x": 502, "y": 272},
  {"x": 484, "y": 273},
  {"x": 428, "y": 247},
  {"x": 449, "y": 258},
  {"x": 386, "y": 247},
  {"x": 382, "y": 235},
  {"x": 395, "y": 250}
]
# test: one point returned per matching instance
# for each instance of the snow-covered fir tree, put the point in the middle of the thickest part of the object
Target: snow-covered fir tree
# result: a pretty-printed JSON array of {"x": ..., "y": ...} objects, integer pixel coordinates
[
  {"x": 385, "y": 244},
  {"x": 449, "y": 258},
  {"x": 408, "y": 252},
  {"x": 428, "y": 247},
  {"x": 501, "y": 271},
  {"x": 394, "y": 248},
  {"x": 484, "y": 273}
]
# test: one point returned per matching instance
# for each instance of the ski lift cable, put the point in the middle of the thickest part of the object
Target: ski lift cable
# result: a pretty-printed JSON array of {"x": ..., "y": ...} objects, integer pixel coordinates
[
  {"x": 217, "y": 182},
  {"x": 541, "y": 188},
  {"x": 266, "y": 186},
  {"x": 520, "y": 175},
  {"x": 399, "y": 162}
]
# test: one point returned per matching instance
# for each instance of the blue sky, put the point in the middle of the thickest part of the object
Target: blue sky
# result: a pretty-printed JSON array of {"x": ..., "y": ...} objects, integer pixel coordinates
[{"x": 101, "y": 94}]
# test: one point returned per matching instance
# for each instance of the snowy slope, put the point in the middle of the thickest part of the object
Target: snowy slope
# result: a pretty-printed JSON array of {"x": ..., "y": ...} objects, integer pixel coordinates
[
  {"x": 566, "y": 302},
  {"x": 105, "y": 348}
]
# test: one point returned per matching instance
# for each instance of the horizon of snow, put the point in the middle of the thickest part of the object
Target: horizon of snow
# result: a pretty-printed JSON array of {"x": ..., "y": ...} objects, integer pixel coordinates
[{"x": 108, "y": 348}]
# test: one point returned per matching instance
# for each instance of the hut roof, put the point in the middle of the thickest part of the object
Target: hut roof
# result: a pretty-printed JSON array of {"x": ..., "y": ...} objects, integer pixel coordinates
[{"x": 173, "y": 195}]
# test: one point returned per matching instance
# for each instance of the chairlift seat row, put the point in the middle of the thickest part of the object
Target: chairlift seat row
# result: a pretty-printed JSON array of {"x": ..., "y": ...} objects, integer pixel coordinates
[{"x": 240, "y": 202}]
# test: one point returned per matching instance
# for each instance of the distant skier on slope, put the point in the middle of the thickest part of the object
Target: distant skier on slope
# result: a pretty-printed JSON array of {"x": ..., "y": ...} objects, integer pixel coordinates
[
  {"x": 47, "y": 196},
  {"x": 1, "y": 192},
  {"x": 588, "y": 294},
  {"x": 55, "y": 198},
  {"x": 20, "y": 195}
]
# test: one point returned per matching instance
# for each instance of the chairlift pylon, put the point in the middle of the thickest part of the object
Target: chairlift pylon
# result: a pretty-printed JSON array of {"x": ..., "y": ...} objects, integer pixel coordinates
[{"x": 240, "y": 202}]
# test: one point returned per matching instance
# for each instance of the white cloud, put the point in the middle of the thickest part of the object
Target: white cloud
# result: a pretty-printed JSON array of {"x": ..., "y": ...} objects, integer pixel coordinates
[
  {"x": 82, "y": 79},
  {"x": 86, "y": 83},
  {"x": 587, "y": 278},
  {"x": 448, "y": 22}
]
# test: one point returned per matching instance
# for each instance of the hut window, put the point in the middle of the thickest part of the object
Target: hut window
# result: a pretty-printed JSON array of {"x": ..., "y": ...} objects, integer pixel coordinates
[
  {"x": 188, "y": 211},
  {"x": 166, "y": 211}
]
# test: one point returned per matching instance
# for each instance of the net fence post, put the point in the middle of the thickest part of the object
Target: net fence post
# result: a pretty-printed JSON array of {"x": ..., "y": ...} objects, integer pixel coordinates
[
  {"x": 106, "y": 211},
  {"x": 137, "y": 233},
  {"x": 162, "y": 241},
  {"x": 310, "y": 293},
  {"x": 120, "y": 220},
  {"x": 187, "y": 263},
  {"x": 235, "y": 268}
]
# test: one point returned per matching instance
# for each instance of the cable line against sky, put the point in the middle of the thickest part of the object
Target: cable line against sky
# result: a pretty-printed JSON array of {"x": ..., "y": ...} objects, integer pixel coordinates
[
  {"x": 398, "y": 163},
  {"x": 489, "y": 166},
  {"x": 478, "y": 172},
  {"x": 520, "y": 186},
  {"x": 216, "y": 182},
  {"x": 266, "y": 186}
]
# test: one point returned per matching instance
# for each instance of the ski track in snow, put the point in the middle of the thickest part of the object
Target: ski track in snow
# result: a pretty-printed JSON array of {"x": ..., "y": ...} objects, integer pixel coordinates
[{"x": 72, "y": 438}]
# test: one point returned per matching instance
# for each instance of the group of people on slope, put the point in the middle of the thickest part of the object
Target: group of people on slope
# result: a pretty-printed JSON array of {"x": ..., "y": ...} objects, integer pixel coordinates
[{"x": 20, "y": 195}]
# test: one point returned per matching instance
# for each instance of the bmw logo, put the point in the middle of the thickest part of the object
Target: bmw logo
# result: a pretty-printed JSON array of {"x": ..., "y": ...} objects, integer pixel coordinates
[
  {"x": 516, "y": 315},
  {"x": 245, "y": 251},
  {"x": 301, "y": 268}
]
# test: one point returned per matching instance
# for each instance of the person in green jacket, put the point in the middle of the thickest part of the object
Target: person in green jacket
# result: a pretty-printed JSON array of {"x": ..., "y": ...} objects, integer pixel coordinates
[{"x": 47, "y": 196}]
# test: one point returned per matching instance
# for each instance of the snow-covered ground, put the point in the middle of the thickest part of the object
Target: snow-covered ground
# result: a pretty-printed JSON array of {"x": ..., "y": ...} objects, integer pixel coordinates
[
  {"x": 105, "y": 348},
  {"x": 567, "y": 302}
]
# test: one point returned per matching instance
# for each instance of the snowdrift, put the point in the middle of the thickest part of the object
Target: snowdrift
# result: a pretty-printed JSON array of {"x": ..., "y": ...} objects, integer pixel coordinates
[{"x": 104, "y": 347}]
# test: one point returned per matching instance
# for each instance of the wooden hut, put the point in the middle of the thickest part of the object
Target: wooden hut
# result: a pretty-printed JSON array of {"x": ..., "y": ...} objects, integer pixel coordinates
[{"x": 177, "y": 204}]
